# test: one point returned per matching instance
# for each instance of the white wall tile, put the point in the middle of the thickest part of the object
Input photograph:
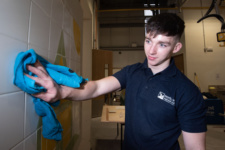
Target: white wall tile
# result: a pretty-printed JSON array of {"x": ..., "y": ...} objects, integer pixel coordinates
[
  {"x": 55, "y": 35},
  {"x": 19, "y": 121},
  {"x": 57, "y": 12},
  {"x": 14, "y": 16},
  {"x": 67, "y": 22},
  {"x": 12, "y": 119},
  {"x": 75, "y": 66},
  {"x": 76, "y": 117},
  {"x": 76, "y": 13},
  {"x": 19, "y": 146},
  {"x": 31, "y": 118},
  {"x": 78, "y": 68},
  {"x": 42, "y": 52},
  {"x": 67, "y": 44},
  {"x": 39, "y": 27},
  {"x": 72, "y": 65},
  {"x": 31, "y": 142},
  {"x": 52, "y": 57},
  {"x": 9, "y": 51},
  {"x": 74, "y": 54},
  {"x": 44, "y": 5}
]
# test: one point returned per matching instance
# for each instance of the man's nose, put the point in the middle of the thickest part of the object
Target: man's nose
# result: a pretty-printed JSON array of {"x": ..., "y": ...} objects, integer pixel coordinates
[{"x": 153, "y": 49}]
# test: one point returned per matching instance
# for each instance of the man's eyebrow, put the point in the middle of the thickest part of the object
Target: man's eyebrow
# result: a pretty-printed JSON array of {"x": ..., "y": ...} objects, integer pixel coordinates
[{"x": 165, "y": 42}]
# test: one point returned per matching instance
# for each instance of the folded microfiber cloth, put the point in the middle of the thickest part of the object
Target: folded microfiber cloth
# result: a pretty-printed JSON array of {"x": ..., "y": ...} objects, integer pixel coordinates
[{"x": 62, "y": 75}]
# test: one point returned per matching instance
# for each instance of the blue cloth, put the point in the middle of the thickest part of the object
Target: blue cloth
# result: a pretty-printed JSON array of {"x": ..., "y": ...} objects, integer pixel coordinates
[{"x": 62, "y": 75}]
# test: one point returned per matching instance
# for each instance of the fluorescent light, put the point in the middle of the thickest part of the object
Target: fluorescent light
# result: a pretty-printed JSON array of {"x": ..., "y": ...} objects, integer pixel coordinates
[{"x": 148, "y": 13}]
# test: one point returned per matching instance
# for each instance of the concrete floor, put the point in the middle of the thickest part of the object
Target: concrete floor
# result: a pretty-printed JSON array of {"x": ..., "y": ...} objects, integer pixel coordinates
[{"x": 104, "y": 136}]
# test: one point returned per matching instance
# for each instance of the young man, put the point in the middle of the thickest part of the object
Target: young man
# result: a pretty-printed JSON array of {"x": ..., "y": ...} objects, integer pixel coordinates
[{"x": 160, "y": 101}]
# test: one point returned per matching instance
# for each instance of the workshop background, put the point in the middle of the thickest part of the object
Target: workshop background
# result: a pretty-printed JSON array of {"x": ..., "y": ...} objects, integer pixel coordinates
[{"x": 66, "y": 31}]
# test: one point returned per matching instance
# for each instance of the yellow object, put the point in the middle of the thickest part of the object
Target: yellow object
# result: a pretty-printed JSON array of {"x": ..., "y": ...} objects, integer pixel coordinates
[
  {"x": 221, "y": 36},
  {"x": 222, "y": 45},
  {"x": 196, "y": 79},
  {"x": 77, "y": 36},
  {"x": 113, "y": 114},
  {"x": 212, "y": 88}
]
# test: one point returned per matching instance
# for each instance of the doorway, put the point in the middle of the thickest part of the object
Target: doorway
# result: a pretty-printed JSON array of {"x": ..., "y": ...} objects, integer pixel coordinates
[{"x": 101, "y": 67}]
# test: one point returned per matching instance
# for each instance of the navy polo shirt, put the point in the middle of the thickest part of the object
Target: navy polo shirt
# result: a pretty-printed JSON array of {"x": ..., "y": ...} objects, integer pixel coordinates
[{"x": 159, "y": 106}]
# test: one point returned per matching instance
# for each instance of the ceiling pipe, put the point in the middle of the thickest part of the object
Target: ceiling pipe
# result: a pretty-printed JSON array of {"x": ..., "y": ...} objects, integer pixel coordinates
[
  {"x": 152, "y": 8},
  {"x": 135, "y": 9}
]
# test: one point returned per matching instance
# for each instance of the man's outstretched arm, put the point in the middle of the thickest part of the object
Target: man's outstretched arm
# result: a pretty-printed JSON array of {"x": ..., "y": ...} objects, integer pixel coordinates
[{"x": 55, "y": 92}]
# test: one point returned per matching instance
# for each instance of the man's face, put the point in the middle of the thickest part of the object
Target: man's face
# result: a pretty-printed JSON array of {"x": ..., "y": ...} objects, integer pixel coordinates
[{"x": 159, "y": 50}]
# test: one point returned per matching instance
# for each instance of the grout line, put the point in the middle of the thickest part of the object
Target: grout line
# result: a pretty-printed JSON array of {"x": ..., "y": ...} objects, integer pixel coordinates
[
  {"x": 9, "y": 93},
  {"x": 25, "y": 116},
  {"x": 14, "y": 38},
  {"x": 29, "y": 26}
]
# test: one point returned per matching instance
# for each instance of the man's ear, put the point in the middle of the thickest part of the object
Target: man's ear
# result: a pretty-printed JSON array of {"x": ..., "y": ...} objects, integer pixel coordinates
[{"x": 177, "y": 47}]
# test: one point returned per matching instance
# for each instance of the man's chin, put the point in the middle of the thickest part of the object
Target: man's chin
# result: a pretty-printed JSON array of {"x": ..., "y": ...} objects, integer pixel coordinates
[{"x": 152, "y": 65}]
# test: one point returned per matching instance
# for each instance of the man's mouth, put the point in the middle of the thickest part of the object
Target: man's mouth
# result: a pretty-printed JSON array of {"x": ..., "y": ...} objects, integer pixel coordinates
[{"x": 151, "y": 58}]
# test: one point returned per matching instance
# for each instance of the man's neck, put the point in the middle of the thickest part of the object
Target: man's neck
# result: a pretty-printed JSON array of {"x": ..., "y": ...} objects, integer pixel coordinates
[{"x": 157, "y": 69}]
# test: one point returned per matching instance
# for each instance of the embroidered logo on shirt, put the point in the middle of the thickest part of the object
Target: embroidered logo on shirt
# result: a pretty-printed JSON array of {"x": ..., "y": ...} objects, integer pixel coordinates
[{"x": 166, "y": 98}]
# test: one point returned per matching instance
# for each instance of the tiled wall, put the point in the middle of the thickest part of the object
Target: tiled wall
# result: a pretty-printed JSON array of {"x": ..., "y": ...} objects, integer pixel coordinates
[{"x": 46, "y": 26}]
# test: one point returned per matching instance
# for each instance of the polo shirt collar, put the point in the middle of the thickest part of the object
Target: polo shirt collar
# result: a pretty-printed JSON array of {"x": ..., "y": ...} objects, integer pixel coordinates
[{"x": 170, "y": 71}]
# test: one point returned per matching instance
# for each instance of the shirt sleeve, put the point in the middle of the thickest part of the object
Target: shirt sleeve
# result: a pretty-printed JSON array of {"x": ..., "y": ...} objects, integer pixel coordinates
[
  {"x": 121, "y": 77},
  {"x": 192, "y": 111},
  {"x": 125, "y": 74}
]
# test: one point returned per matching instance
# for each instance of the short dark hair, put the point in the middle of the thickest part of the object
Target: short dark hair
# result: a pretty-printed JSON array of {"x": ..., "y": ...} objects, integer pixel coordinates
[{"x": 168, "y": 24}]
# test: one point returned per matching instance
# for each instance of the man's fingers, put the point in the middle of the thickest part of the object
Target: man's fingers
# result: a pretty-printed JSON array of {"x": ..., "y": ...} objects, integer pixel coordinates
[
  {"x": 38, "y": 81},
  {"x": 38, "y": 65},
  {"x": 37, "y": 71},
  {"x": 43, "y": 79}
]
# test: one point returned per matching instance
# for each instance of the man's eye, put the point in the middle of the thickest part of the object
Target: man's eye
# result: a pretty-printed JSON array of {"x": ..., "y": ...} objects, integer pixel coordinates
[
  {"x": 163, "y": 45},
  {"x": 147, "y": 41}
]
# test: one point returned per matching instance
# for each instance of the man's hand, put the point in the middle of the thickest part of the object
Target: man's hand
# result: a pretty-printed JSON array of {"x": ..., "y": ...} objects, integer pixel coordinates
[{"x": 53, "y": 90}]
